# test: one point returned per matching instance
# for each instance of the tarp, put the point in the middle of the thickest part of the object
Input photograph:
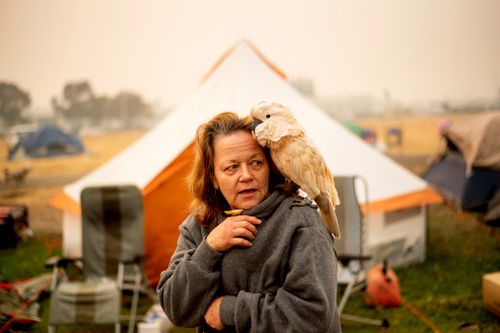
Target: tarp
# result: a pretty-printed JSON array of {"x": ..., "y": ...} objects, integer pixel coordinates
[
  {"x": 159, "y": 161},
  {"x": 477, "y": 138},
  {"x": 466, "y": 168},
  {"x": 48, "y": 141}
]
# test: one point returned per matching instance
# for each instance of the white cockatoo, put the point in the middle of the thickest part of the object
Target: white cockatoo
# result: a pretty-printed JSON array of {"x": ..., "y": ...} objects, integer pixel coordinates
[{"x": 296, "y": 157}]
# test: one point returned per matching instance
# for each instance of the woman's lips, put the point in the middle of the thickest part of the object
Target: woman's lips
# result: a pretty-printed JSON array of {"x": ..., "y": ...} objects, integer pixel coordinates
[{"x": 247, "y": 191}]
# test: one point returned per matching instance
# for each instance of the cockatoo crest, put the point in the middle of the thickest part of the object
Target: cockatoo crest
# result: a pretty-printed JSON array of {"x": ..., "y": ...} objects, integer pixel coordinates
[{"x": 275, "y": 121}]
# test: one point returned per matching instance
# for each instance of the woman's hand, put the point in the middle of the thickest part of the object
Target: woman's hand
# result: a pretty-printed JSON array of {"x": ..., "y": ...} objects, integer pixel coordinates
[
  {"x": 234, "y": 231},
  {"x": 212, "y": 316}
]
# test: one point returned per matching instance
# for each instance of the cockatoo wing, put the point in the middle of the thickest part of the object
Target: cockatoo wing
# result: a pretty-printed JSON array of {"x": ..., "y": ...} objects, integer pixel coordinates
[{"x": 302, "y": 163}]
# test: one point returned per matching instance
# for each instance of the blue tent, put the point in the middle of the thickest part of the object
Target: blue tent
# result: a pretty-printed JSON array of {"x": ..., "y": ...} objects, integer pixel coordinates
[{"x": 48, "y": 141}]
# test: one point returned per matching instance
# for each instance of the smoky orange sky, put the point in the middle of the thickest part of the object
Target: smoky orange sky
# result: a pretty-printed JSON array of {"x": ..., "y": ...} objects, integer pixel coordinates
[{"x": 416, "y": 50}]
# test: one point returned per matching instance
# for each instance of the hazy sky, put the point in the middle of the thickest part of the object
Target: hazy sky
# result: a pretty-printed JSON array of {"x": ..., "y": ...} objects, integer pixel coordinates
[{"x": 414, "y": 49}]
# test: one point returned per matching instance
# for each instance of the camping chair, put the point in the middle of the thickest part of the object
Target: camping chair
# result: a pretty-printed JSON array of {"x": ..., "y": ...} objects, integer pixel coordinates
[
  {"x": 349, "y": 248},
  {"x": 112, "y": 247}
]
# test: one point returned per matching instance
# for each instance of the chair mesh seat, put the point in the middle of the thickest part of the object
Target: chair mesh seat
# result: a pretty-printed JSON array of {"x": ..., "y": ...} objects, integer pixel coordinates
[
  {"x": 112, "y": 247},
  {"x": 77, "y": 302},
  {"x": 88, "y": 290}
]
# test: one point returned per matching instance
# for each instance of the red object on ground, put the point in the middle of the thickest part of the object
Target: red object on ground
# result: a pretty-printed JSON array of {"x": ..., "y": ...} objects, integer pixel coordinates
[{"x": 383, "y": 287}]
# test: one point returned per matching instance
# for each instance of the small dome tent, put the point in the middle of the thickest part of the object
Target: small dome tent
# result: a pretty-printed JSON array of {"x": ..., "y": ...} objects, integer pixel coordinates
[{"x": 48, "y": 141}]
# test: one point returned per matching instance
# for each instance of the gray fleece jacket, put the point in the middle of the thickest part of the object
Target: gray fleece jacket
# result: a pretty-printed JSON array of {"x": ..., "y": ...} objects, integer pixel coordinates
[{"x": 285, "y": 282}]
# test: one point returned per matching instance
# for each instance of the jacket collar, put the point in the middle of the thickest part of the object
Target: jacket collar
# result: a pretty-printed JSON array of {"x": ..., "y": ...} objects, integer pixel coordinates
[{"x": 264, "y": 209}]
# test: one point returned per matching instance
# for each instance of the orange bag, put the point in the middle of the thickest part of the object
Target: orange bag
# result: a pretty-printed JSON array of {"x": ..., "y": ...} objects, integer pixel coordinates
[{"x": 383, "y": 287}]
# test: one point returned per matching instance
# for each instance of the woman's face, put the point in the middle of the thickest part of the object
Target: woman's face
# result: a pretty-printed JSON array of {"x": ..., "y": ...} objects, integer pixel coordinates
[{"x": 241, "y": 170}]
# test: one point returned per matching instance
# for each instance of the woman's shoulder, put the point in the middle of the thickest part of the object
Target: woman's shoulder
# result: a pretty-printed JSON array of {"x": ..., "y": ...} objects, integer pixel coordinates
[
  {"x": 306, "y": 214},
  {"x": 303, "y": 210},
  {"x": 190, "y": 222},
  {"x": 297, "y": 201},
  {"x": 192, "y": 227}
]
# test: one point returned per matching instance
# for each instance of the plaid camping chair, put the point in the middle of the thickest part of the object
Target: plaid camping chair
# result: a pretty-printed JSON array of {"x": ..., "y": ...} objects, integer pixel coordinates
[{"x": 112, "y": 246}]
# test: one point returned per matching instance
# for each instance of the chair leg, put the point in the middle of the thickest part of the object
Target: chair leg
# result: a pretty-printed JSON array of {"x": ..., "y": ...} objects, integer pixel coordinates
[
  {"x": 347, "y": 293},
  {"x": 377, "y": 322},
  {"x": 135, "y": 301},
  {"x": 117, "y": 328},
  {"x": 133, "y": 312},
  {"x": 350, "y": 289},
  {"x": 51, "y": 329}
]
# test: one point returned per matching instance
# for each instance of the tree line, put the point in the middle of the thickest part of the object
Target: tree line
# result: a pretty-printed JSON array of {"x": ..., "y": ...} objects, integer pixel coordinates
[{"x": 78, "y": 105}]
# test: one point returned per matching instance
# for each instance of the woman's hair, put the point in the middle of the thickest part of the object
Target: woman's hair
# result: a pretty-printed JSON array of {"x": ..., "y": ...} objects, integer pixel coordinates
[{"x": 208, "y": 201}]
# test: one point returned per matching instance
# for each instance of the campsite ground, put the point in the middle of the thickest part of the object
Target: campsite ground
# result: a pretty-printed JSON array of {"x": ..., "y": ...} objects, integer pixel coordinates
[
  {"x": 419, "y": 141},
  {"x": 48, "y": 176}
]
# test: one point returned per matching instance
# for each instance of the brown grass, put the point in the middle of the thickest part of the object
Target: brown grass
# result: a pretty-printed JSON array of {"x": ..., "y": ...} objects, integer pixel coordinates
[
  {"x": 420, "y": 137},
  {"x": 420, "y": 134},
  {"x": 100, "y": 148},
  {"x": 48, "y": 176}
]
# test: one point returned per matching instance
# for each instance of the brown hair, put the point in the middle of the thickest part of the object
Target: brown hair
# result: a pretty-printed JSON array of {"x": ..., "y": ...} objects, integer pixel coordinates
[{"x": 208, "y": 202}]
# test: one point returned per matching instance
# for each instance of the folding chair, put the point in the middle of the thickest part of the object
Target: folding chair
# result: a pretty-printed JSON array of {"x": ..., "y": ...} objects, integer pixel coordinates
[
  {"x": 349, "y": 248},
  {"x": 112, "y": 247}
]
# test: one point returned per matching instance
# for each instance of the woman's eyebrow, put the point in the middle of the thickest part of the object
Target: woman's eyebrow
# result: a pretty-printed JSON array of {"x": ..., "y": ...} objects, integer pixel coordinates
[
  {"x": 259, "y": 154},
  {"x": 229, "y": 161}
]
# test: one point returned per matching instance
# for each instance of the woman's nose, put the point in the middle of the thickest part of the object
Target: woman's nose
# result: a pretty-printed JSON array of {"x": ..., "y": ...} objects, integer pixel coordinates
[{"x": 245, "y": 173}]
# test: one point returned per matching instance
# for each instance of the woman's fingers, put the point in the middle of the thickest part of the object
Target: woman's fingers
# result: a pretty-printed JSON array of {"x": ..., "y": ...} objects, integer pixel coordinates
[
  {"x": 245, "y": 225},
  {"x": 234, "y": 231},
  {"x": 238, "y": 241},
  {"x": 245, "y": 221},
  {"x": 245, "y": 233},
  {"x": 248, "y": 218}
]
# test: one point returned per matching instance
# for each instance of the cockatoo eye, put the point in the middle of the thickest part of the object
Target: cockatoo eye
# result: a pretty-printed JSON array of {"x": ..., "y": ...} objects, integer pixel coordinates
[{"x": 268, "y": 116}]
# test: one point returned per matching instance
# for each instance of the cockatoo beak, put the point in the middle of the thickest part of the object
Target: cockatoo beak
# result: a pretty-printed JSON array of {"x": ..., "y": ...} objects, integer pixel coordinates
[{"x": 256, "y": 122}]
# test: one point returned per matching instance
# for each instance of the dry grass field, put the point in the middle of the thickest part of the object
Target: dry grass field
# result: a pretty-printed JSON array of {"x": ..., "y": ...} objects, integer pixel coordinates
[
  {"x": 420, "y": 134},
  {"x": 420, "y": 137},
  {"x": 48, "y": 176}
]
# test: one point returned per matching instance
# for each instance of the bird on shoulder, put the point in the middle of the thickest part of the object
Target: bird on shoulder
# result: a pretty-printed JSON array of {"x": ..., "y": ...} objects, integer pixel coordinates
[{"x": 293, "y": 153}]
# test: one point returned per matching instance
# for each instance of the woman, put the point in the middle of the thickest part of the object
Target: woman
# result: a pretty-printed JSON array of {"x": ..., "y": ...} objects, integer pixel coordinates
[{"x": 271, "y": 268}]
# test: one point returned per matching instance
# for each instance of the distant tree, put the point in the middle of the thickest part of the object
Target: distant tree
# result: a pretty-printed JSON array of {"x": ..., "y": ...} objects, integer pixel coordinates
[
  {"x": 129, "y": 107},
  {"x": 80, "y": 105},
  {"x": 102, "y": 109},
  {"x": 13, "y": 103},
  {"x": 76, "y": 103}
]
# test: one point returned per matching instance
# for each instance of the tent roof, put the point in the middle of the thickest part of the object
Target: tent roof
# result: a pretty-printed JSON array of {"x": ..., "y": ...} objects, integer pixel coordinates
[
  {"x": 478, "y": 139},
  {"x": 236, "y": 84}
]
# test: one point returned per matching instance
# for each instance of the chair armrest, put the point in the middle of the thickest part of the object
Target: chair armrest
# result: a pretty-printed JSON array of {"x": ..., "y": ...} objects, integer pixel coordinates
[
  {"x": 135, "y": 260},
  {"x": 346, "y": 258},
  {"x": 62, "y": 269},
  {"x": 63, "y": 262}
]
